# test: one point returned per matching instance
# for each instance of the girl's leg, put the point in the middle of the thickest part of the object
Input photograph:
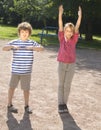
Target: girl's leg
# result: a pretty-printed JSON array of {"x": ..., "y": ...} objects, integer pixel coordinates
[
  {"x": 68, "y": 80},
  {"x": 61, "y": 75}
]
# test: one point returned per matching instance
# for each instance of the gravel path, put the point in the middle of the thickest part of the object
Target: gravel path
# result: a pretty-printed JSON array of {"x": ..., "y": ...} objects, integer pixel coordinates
[{"x": 84, "y": 101}]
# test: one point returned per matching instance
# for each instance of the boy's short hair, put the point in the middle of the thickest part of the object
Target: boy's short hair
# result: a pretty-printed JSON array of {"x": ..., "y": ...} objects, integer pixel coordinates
[
  {"x": 25, "y": 26},
  {"x": 70, "y": 25}
]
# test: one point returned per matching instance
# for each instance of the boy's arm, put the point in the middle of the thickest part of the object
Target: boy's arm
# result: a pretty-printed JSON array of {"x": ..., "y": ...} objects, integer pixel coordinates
[
  {"x": 35, "y": 48},
  {"x": 60, "y": 22},
  {"x": 40, "y": 48},
  {"x": 9, "y": 47},
  {"x": 78, "y": 20}
]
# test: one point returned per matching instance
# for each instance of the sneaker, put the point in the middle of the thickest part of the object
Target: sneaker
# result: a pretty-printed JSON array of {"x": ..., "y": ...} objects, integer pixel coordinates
[
  {"x": 65, "y": 108},
  {"x": 12, "y": 109},
  {"x": 62, "y": 108},
  {"x": 28, "y": 110}
]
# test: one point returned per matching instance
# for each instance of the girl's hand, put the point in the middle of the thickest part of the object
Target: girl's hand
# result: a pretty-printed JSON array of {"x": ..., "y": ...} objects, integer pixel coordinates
[
  {"x": 79, "y": 11},
  {"x": 78, "y": 20},
  {"x": 61, "y": 9}
]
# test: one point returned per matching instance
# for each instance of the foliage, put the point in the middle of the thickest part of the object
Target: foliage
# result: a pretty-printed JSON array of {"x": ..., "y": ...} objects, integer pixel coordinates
[
  {"x": 34, "y": 8},
  {"x": 46, "y": 11},
  {"x": 91, "y": 11}
]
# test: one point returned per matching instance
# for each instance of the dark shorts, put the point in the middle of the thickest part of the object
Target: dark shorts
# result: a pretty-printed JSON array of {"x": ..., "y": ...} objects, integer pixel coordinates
[{"x": 23, "y": 79}]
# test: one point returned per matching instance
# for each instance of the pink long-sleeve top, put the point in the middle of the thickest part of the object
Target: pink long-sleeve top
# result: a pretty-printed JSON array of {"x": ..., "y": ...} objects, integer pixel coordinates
[{"x": 67, "y": 50}]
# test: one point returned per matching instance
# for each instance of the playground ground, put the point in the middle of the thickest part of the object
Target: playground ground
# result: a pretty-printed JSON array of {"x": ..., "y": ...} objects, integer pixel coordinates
[{"x": 84, "y": 101}]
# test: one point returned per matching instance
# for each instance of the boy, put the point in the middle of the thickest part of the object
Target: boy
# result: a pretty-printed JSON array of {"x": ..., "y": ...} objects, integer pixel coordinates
[
  {"x": 68, "y": 36},
  {"x": 22, "y": 64}
]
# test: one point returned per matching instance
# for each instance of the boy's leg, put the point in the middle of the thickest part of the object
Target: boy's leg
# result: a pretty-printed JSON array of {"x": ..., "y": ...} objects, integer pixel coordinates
[
  {"x": 10, "y": 107},
  {"x": 10, "y": 95},
  {"x": 25, "y": 85},
  {"x": 13, "y": 82},
  {"x": 26, "y": 97}
]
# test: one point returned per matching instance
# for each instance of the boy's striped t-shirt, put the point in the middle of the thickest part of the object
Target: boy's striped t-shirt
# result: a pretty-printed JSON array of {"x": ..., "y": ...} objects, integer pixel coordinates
[{"x": 22, "y": 59}]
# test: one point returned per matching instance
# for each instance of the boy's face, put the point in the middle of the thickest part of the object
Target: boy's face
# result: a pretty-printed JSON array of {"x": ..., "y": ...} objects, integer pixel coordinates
[
  {"x": 68, "y": 32},
  {"x": 24, "y": 34}
]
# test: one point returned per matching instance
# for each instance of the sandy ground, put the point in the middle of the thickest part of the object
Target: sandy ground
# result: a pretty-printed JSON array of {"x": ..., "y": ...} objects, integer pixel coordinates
[{"x": 84, "y": 101}]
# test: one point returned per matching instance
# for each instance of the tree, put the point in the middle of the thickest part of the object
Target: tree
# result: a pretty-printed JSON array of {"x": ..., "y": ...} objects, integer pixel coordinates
[
  {"x": 91, "y": 12},
  {"x": 22, "y": 8},
  {"x": 38, "y": 9},
  {"x": 4, "y": 7},
  {"x": 7, "y": 12},
  {"x": 44, "y": 10}
]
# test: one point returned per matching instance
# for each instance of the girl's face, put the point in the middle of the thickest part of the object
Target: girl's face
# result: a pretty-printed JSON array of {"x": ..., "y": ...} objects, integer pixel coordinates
[
  {"x": 24, "y": 35},
  {"x": 68, "y": 33}
]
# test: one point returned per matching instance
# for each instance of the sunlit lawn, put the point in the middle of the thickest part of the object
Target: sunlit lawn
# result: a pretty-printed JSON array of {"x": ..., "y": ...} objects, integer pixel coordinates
[{"x": 10, "y": 33}]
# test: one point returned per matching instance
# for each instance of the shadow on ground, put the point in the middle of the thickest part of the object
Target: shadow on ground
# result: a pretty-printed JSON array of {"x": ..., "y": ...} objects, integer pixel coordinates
[
  {"x": 13, "y": 124},
  {"x": 86, "y": 59},
  {"x": 68, "y": 122}
]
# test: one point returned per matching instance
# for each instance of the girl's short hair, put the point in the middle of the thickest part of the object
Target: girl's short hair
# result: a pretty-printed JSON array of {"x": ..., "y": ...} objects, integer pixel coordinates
[
  {"x": 70, "y": 25},
  {"x": 25, "y": 26}
]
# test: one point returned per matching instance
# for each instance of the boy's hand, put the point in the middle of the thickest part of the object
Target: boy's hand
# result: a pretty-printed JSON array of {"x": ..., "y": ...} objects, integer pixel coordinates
[
  {"x": 15, "y": 47},
  {"x": 29, "y": 47},
  {"x": 79, "y": 11},
  {"x": 61, "y": 9},
  {"x": 35, "y": 48}
]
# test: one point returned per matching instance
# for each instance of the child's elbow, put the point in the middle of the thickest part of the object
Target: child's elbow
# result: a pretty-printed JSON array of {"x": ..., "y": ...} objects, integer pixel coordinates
[
  {"x": 4, "y": 49},
  {"x": 41, "y": 49}
]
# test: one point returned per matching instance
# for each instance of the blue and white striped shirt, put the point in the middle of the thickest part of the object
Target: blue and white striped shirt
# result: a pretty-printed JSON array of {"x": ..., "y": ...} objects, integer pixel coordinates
[{"x": 22, "y": 58}]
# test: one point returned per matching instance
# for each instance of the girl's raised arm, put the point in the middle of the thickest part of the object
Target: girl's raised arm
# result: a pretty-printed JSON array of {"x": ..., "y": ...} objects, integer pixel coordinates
[
  {"x": 60, "y": 22},
  {"x": 78, "y": 20}
]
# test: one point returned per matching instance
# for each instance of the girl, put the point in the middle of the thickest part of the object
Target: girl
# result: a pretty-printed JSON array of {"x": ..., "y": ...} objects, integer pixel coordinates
[{"x": 68, "y": 37}]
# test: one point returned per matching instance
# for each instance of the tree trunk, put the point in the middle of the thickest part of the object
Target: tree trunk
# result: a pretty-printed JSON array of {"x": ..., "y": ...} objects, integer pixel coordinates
[
  {"x": 88, "y": 31},
  {"x": 44, "y": 22}
]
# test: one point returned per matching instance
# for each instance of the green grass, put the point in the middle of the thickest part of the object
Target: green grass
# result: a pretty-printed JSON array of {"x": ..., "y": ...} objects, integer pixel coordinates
[
  {"x": 7, "y": 32},
  {"x": 95, "y": 44},
  {"x": 10, "y": 33}
]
